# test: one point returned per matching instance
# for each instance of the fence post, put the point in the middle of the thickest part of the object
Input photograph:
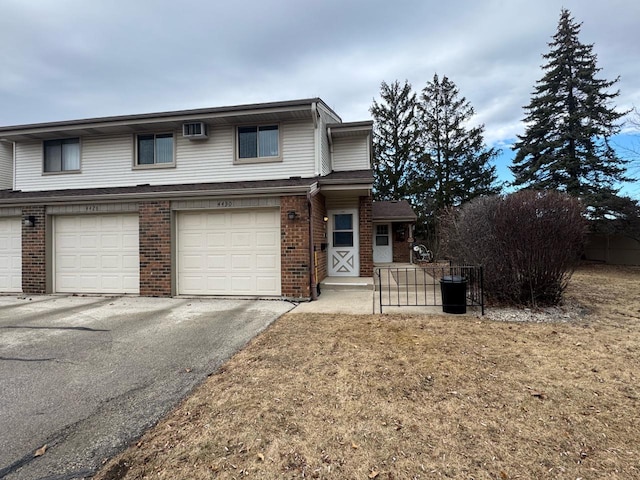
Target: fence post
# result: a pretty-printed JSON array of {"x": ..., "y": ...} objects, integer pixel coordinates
[{"x": 482, "y": 289}]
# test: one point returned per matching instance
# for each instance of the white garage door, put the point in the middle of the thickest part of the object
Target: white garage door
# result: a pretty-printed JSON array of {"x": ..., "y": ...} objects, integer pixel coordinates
[
  {"x": 229, "y": 252},
  {"x": 97, "y": 254},
  {"x": 10, "y": 255}
]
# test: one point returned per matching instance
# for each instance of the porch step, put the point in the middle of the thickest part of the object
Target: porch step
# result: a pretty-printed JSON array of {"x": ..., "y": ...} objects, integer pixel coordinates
[{"x": 347, "y": 283}]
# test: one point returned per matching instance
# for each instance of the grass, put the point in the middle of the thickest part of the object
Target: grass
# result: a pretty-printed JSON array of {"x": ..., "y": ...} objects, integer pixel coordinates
[{"x": 418, "y": 397}]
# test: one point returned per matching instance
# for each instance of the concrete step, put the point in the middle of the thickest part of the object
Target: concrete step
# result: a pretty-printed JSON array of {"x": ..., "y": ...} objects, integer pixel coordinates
[{"x": 347, "y": 283}]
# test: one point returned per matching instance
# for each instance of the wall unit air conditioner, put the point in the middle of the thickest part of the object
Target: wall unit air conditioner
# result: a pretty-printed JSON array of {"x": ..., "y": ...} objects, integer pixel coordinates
[{"x": 194, "y": 130}]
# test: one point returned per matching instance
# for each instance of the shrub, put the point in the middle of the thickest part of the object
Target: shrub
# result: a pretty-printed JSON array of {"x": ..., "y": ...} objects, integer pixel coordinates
[{"x": 529, "y": 243}]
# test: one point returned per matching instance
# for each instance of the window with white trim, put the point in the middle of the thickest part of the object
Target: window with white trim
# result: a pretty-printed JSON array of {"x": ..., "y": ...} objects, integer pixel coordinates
[
  {"x": 258, "y": 142},
  {"x": 154, "y": 149},
  {"x": 61, "y": 155}
]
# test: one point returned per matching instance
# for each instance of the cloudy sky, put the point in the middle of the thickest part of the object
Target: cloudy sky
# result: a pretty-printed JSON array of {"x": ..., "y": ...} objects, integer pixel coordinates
[{"x": 68, "y": 59}]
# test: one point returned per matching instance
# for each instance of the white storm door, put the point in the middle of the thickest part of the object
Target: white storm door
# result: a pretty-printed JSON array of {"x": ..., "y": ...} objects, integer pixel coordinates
[
  {"x": 382, "y": 248},
  {"x": 10, "y": 255},
  {"x": 229, "y": 252},
  {"x": 97, "y": 254},
  {"x": 344, "y": 251}
]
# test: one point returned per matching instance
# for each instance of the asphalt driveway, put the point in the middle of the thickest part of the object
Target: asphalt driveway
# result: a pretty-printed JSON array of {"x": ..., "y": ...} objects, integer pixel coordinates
[{"x": 87, "y": 375}]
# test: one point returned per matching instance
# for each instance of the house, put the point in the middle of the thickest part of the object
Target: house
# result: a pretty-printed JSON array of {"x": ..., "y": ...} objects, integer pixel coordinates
[
  {"x": 393, "y": 226},
  {"x": 251, "y": 200}
]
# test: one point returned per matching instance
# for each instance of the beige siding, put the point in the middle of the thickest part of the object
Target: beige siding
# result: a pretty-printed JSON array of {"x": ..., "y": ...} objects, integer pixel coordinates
[
  {"x": 339, "y": 203},
  {"x": 107, "y": 162},
  {"x": 6, "y": 165},
  {"x": 351, "y": 153}
]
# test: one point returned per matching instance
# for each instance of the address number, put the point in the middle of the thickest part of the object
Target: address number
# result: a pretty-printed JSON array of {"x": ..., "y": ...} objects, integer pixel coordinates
[{"x": 225, "y": 204}]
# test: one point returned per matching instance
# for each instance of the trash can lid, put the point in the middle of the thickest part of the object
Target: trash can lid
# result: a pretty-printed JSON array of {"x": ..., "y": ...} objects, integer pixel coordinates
[{"x": 452, "y": 279}]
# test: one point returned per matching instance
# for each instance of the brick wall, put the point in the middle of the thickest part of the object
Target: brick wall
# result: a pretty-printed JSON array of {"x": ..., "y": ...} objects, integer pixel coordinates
[
  {"x": 401, "y": 247},
  {"x": 34, "y": 269},
  {"x": 294, "y": 244},
  {"x": 320, "y": 235},
  {"x": 366, "y": 237},
  {"x": 155, "y": 249}
]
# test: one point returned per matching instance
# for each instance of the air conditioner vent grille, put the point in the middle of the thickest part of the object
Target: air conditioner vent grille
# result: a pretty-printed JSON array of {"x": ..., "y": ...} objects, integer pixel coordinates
[{"x": 194, "y": 130}]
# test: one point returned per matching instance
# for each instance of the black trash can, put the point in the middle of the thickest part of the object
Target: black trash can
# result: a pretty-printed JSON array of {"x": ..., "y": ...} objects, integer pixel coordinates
[{"x": 454, "y": 294}]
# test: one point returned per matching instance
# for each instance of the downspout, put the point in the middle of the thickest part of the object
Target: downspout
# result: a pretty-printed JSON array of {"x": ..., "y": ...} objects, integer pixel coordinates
[
  {"x": 14, "y": 166},
  {"x": 318, "y": 159},
  {"x": 312, "y": 266},
  {"x": 330, "y": 147}
]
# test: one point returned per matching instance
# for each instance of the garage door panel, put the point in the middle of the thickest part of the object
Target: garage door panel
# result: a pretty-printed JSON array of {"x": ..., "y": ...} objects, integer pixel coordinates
[
  {"x": 217, "y": 262},
  {"x": 97, "y": 253},
  {"x": 266, "y": 284},
  {"x": 88, "y": 262},
  {"x": 266, "y": 262},
  {"x": 130, "y": 264},
  {"x": 192, "y": 239},
  {"x": 87, "y": 242},
  {"x": 216, "y": 240},
  {"x": 242, "y": 219},
  {"x": 267, "y": 218},
  {"x": 10, "y": 255},
  {"x": 213, "y": 220},
  {"x": 266, "y": 239},
  {"x": 216, "y": 285},
  {"x": 238, "y": 247},
  {"x": 241, "y": 239},
  {"x": 241, "y": 262}
]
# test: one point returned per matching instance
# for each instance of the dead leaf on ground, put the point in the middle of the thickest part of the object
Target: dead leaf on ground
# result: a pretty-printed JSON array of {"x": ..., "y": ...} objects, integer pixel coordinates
[
  {"x": 39, "y": 452},
  {"x": 261, "y": 457},
  {"x": 374, "y": 474},
  {"x": 540, "y": 395},
  {"x": 355, "y": 446}
]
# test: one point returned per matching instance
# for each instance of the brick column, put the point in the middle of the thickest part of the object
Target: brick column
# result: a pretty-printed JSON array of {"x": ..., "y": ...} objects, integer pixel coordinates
[
  {"x": 155, "y": 249},
  {"x": 34, "y": 251},
  {"x": 294, "y": 248},
  {"x": 366, "y": 237}
]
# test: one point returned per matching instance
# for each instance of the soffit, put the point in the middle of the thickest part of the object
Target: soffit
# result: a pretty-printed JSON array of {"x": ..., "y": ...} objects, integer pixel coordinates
[{"x": 171, "y": 121}]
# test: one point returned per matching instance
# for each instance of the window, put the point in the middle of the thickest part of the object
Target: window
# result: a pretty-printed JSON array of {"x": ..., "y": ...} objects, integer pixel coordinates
[
  {"x": 258, "y": 142},
  {"x": 382, "y": 235},
  {"x": 343, "y": 230},
  {"x": 62, "y": 155},
  {"x": 155, "y": 149}
]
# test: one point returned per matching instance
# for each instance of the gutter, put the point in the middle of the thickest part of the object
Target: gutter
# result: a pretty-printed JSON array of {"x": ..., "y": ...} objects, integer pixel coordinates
[{"x": 126, "y": 197}]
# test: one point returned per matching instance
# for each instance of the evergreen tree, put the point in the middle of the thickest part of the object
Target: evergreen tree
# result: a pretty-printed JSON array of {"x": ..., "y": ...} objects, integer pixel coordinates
[
  {"x": 395, "y": 136},
  {"x": 569, "y": 123},
  {"x": 456, "y": 164}
]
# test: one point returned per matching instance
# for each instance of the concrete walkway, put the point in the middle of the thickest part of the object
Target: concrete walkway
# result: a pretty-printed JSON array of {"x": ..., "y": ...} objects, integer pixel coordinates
[{"x": 356, "y": 295}]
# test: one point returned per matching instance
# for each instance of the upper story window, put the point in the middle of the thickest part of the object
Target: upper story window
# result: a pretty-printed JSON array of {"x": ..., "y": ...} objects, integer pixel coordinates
[
  {"x": 155, "y": 149},
  {"x": 258, "y": 143},
  {"x": 62, "y": 155}
]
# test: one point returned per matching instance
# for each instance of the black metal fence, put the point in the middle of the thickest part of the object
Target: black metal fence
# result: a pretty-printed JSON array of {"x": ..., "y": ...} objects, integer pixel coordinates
[{"x": 422, "y": 285}]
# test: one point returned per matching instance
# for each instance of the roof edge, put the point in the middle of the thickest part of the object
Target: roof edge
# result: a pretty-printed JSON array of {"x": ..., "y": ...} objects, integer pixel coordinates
[{"x": 159, "y": 115}]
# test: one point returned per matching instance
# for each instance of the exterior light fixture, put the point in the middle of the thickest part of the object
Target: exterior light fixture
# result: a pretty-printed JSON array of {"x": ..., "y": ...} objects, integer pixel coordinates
[
  {"x": 292, "y": 215},
  {"x": 29, "y": 221},
  {"x": 326, "y": 219}
]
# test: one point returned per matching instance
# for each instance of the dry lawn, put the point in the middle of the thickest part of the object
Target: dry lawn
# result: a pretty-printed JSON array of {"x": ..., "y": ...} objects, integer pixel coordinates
[{"x": 404, "y": 397}]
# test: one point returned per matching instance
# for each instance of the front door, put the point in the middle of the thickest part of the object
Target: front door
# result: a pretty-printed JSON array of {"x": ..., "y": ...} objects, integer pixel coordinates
[
  {"x": 382, "y": 249},
  {"x": 344, "y": 256}
]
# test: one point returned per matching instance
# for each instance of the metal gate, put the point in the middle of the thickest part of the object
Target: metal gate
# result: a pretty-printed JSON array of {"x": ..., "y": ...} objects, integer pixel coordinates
[{"x": 421, "y": 286}]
